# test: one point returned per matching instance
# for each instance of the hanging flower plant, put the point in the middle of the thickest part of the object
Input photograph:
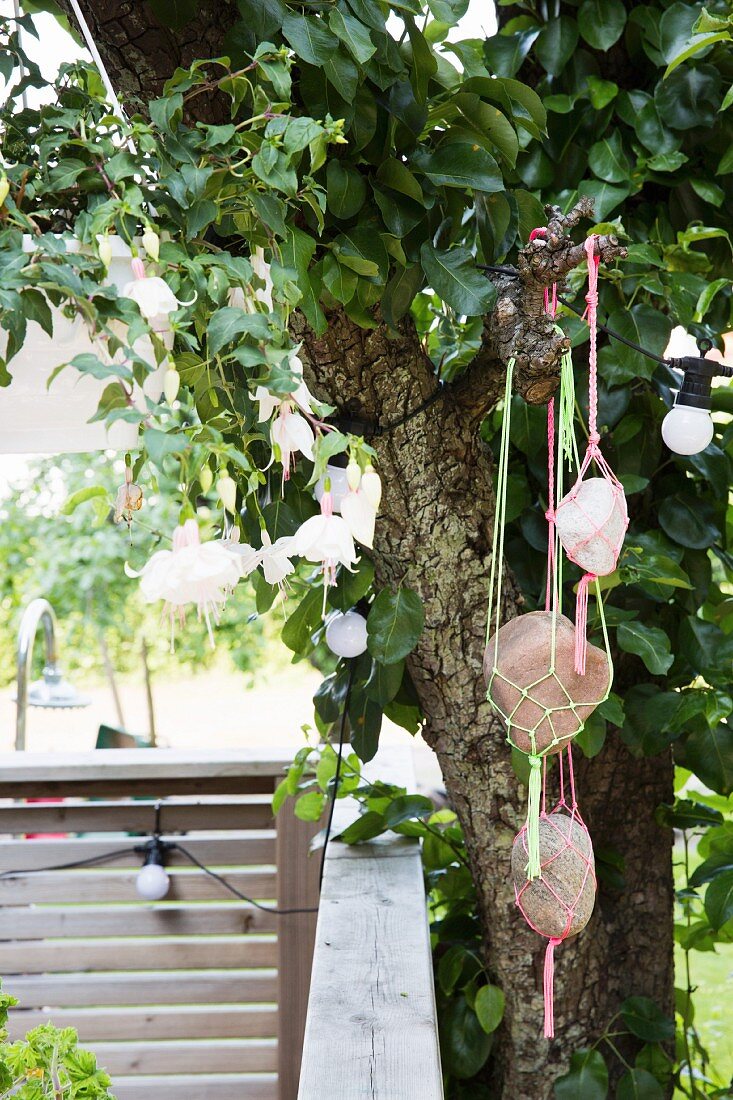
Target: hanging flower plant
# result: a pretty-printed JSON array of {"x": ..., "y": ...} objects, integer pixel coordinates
[
  {"x": 326, "y": 539},
  {"x": 192, "y": 572}
]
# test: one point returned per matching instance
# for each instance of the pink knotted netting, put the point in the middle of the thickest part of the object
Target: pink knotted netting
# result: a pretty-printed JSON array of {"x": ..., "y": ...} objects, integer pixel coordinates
[
  {"x": 591, "y": 519},
  {"x": 559, "y": 903}
]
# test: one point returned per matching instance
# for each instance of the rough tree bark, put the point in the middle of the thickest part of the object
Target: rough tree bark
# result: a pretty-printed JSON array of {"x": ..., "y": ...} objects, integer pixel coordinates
[{"x": 434, "y": 533}]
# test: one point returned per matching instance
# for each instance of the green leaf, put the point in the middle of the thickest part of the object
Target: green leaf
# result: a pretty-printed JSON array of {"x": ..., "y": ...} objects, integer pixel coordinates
[
  {"x": 406, "y": 807},
  {"x": 648, "y": 642},
  {"x": 601, "y": 22},
  {"x": 452, "y": 274},
  {"x": 688, "y": 521},
  {"x": 697, "y": 43},
  {"x": 686, "y": 814},
  {"x": 601, "y": 92},
  {"x": 608, "y": 159},
  {"x": 229, "y": 322},
  {"x": 345, "y": 189},
  {"x": 160, "y": 444},
  {"x": 708, "y": 752},
  {"x": 505, "y": 53},
  {"x": 646, "y": 1020},
  {"x": 384, "y": 682},
  {"x": 489, "y": 1007},
  {"x": 309, "y": 806},
  {"x": 462, "y": 165},
  {"x": 556, "y": 42},
  {"x": 365, "y": 719},
  {"x": 302, "y": 622},
  {"x": 366, "y": 827},
  {"x": 719, "y": 900},
  {"x": 298, "y": 250},
  {"x": 352, "y": 587},
  {"x": 353, "y": 34},
  {"x": 80, "y": 496},
  {"x": 689, "y": 98},
  {"x": 587, "y": 1078},
  {"x": 450, "y": 968},
  {"x": 394, "y": 625},
  {"x": 310, "y": 38},
  {"x": 639, "y": 1084},
  {"x": 464, "y": 1044},
  {"x": 400, "y": 291},
  {"x": 605, "y": 196}
]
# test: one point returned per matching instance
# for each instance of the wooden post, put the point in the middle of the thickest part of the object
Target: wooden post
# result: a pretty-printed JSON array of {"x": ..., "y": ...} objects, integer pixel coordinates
[{"x": 297, "y": 888}]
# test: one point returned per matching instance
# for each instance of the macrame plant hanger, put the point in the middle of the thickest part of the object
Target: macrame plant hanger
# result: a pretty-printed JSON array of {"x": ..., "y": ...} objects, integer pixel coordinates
[
  {"x": 560, "y": 902},
  {"x": 592, "y": 519}
]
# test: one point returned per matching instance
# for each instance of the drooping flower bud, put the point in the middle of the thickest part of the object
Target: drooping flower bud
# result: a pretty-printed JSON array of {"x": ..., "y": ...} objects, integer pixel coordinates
[
  {"x": 104, "y": 248},
  {"x": 171, "y": 384},
  {"x": 227, "y": 490},
  {"x": 151, "y": 243},
  {"x": 4, "y": 188},
  {"x": 353, "y": 475},
  {"x": 371, "y": 485},
  {"x": 206, "y": 479}
]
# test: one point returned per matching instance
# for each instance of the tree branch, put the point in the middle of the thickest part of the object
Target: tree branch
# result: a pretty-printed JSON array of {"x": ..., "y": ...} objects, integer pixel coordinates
[{"x": 518, "y": 327}]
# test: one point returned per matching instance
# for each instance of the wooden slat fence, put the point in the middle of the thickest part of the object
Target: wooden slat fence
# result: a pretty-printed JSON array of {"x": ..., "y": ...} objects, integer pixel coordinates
[{"x": 177, "y": 998}]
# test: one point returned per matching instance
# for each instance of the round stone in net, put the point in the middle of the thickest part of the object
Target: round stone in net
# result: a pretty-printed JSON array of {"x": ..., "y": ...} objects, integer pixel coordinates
[
  {"x": 591, "y": 522},
  {"x": 559, "y": 903},
  {"x": 535, "y": 702}
]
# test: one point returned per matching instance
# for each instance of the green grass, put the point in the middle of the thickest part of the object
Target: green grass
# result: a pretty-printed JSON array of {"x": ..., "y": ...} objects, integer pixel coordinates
[{"x": 712, "y": 978}]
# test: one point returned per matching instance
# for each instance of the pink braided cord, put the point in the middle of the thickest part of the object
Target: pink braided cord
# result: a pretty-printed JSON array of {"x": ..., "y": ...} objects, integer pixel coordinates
[
  {"x": 551, "y": 308},
  {"x": 553, "y": 941},
  {"x": 592, "y": 300}
]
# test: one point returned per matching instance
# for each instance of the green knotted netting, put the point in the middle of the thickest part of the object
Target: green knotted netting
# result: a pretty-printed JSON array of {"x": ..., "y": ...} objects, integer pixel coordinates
[{"x": 566, "y": 451}]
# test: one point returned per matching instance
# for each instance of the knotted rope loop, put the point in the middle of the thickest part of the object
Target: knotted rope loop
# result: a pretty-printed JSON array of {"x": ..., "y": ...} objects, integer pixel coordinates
[{"x": 534, "y": 869}]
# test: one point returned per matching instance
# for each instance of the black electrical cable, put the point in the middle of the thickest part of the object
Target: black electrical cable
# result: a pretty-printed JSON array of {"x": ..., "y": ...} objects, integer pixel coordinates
[
  {"x": 92, "y": 861},
  {"x": 232, "y": 889},
  {"x": 337, "y": 773}
]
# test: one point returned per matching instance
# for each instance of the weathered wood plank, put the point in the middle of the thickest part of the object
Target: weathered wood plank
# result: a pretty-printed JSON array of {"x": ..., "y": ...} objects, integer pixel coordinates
[
  {"x": 156, "y": 953},
  {"x": 146, "y": 771},
  {"x": 259, "y": 1056},
  {"x": 210, "y": 987},
  {"x": 184, "y": 1022},
  {"x": 236, "y": 849},
  {"x": 372, "y": 980},
  {"x": 76, "y": 815},
  {"x": 297, "y": 888},
  {"x": 262, "y": 1086},
  {"x": 97, "y": 886},
  {"x": 90, "y": 921}
]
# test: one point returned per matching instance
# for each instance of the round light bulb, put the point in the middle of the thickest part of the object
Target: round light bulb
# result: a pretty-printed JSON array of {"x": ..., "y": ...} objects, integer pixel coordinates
[
  {"x": 152, "y": 882},
  {"x": 346, "y": 634},
  {"x": 687, "y": 430},
  {"x": 339, "y": 485}
]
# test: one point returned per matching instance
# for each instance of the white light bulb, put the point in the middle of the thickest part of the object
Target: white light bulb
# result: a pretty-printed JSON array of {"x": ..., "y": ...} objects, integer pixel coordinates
[
  {"x": 152, "y": 882},
  {"x": 339, "y": 485},
  {"x": 687, "y": 430},
  {"x": 346, "y": 635}
]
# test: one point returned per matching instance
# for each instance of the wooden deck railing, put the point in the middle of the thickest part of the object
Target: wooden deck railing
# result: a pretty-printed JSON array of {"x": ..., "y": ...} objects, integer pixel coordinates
[
  {"x": 198, "y": 995},
  {"x": 371, "y": 1031}
]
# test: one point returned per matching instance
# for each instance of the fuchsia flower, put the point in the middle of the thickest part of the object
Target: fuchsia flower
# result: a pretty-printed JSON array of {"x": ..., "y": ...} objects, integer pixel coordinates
[
  {"x": 326, "y": 539},
  {"x": 155, "y": 300},
  {"x": 290, "y": 430},
  {"x": 192, "y": 572},
  {"x": 275, "y": 558}
]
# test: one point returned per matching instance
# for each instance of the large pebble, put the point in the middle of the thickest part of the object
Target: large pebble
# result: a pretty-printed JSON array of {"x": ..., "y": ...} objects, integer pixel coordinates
[
  {"x": 591, "y": 522},
  {"x": 523, "y": 661},
  {"x": 561, "y": 901}
]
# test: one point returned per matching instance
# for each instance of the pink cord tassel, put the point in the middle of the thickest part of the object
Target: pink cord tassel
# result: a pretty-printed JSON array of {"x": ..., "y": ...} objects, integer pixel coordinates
[
  {"x": 550, "y": 987},
  {"x": 581, "y": 622}
]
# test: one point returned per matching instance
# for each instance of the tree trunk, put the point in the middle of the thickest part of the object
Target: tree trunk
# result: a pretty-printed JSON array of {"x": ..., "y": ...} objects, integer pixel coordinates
[{"x": 434, "y": 533}]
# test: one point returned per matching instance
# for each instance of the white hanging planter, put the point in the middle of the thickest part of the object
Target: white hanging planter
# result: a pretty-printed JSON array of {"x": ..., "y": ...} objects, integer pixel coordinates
[{"x": 40, "y": 419}]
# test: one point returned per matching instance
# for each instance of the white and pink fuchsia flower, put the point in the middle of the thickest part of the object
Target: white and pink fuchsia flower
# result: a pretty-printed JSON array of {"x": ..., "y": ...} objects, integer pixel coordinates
[
  {"x": 192, "y": 572},
  {"x": 155, "y": 300},
  {"x": 290, "y": 431},
  {"x": 326, "y": 539}
]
